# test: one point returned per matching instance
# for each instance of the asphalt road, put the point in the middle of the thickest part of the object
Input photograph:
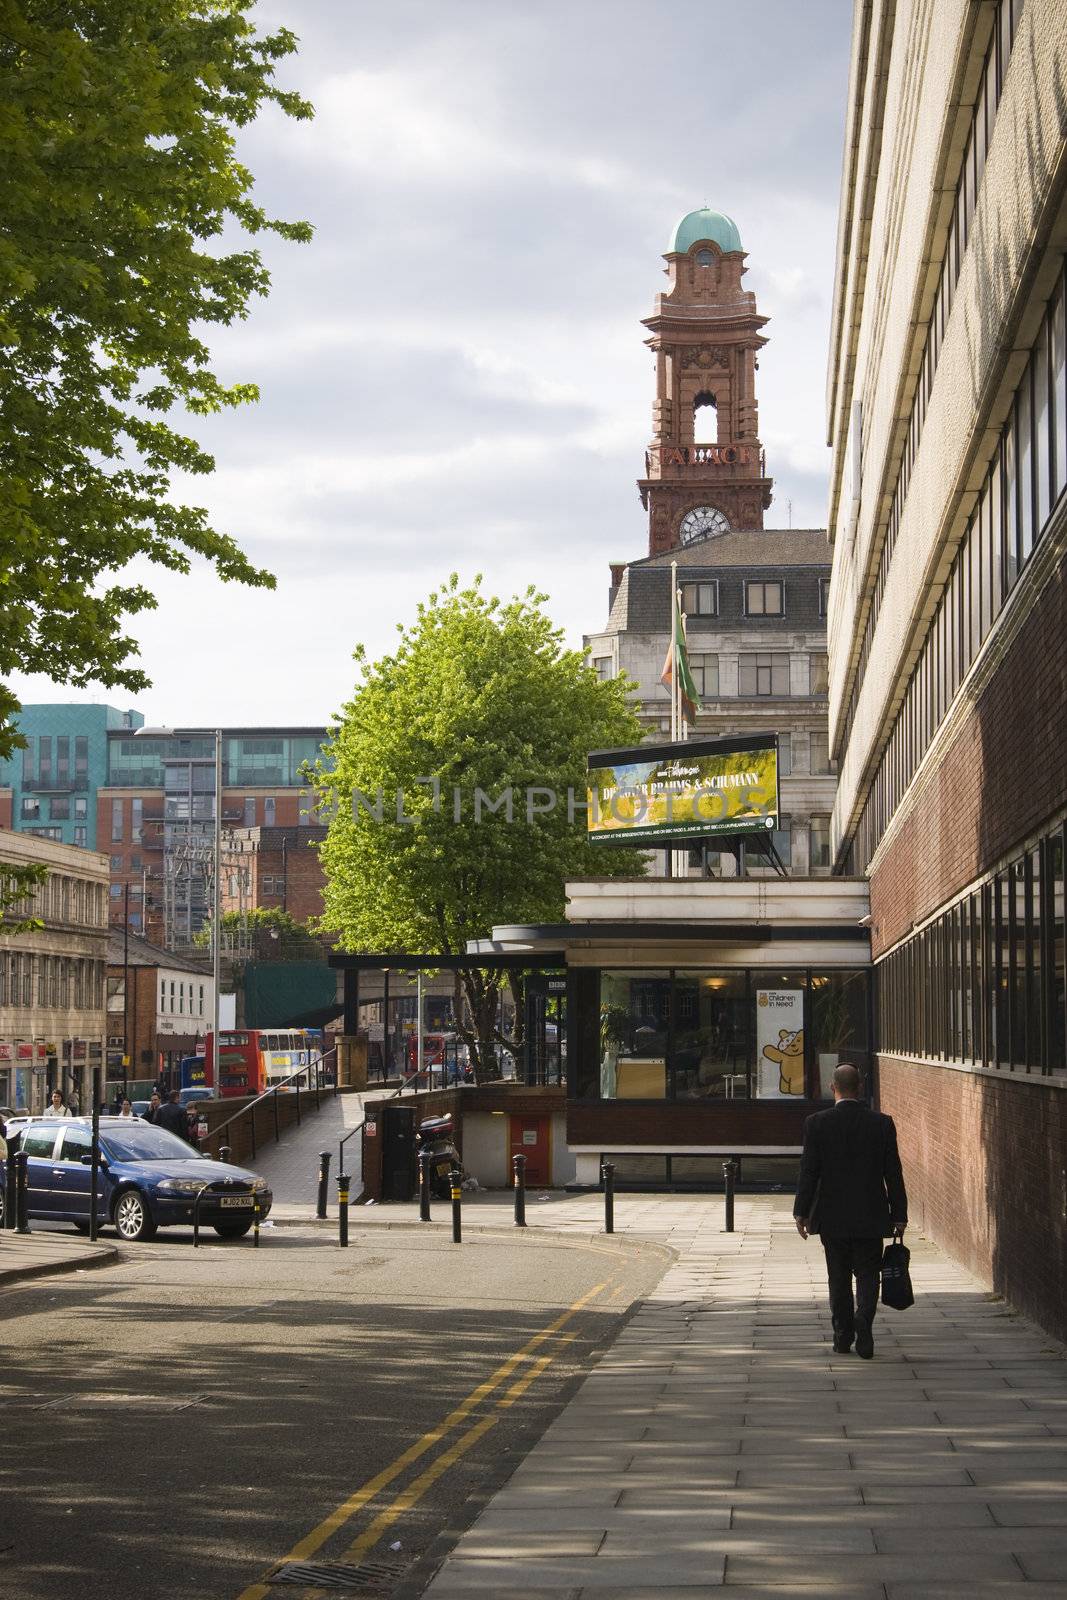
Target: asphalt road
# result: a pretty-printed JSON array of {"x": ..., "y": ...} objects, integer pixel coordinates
[{"x": 178, "y": 1425}]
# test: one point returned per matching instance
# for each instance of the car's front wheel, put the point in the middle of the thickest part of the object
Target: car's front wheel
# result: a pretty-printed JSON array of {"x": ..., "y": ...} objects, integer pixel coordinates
[
  {"x": 132, "y": 1216},
  {"x": 232, "y": 1230}
]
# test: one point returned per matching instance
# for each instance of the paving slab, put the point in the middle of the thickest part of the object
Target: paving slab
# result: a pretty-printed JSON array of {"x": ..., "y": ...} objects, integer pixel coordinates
[
  {"x": 25, "y": 1256},
  {"x": 721, "y": 1446}
]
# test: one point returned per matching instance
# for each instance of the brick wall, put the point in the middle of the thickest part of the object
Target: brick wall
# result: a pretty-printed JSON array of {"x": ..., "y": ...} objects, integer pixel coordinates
[
  {"x": 985, "y": 1162},
  {"x": 1002, "y": 778}
]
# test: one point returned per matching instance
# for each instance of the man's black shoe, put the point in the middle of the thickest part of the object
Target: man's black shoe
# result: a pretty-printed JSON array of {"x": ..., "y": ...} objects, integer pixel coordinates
[
  {"x": 842, "y": 1347},
  {"x": 864, "y": 1343}
]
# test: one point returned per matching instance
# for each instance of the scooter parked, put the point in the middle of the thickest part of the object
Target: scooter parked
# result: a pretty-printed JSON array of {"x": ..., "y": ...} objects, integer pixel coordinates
[{"x": 435, "y": 1134}]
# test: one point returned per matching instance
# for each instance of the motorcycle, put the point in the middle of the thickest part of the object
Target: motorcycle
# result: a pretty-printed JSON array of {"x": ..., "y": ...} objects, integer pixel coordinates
[{"x": 435, "y": 1135}]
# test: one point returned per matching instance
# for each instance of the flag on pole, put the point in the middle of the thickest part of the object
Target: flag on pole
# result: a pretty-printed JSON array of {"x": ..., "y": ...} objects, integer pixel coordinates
[{"x": 676, "y": 675}]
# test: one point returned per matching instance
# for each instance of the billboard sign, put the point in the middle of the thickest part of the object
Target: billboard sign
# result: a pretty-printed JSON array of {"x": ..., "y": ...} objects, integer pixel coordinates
[{"x": 703, "y": 789}]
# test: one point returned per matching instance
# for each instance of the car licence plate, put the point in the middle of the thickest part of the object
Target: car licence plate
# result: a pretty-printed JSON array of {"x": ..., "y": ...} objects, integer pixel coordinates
[{"x": 236, "y": 1200}]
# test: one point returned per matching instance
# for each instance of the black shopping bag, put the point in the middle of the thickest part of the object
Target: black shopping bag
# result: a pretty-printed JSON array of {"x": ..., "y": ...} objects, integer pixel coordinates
[{"x": 896, "y": 1277}]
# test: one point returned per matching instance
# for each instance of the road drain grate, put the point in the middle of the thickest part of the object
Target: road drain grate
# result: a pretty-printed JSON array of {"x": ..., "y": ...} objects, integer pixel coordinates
[{"x": 338, "y": 1575}]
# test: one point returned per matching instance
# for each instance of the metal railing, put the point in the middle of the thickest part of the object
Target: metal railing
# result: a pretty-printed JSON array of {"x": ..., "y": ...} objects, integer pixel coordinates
[{"x": 289, "y": 1086}]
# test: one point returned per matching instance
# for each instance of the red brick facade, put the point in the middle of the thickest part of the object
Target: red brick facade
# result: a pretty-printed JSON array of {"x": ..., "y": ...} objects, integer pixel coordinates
[
  {"x": 971, "y": 809},
  {"x": 984, "y": 1162}
]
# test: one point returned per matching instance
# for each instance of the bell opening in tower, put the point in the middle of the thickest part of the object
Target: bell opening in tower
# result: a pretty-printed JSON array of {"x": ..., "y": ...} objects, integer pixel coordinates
[{"x": 705, "y": 419}]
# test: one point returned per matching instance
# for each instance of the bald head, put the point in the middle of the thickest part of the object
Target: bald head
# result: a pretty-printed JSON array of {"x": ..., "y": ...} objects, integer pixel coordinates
[{"x": 846, "y": 1081}]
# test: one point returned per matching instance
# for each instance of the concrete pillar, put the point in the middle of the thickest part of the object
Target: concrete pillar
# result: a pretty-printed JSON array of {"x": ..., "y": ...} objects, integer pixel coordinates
[{"x": 352, "y": 1061}]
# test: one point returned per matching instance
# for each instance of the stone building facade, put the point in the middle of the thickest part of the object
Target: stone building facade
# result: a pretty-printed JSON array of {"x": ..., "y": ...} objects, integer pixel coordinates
[
  {"x": 52, "y": 1007},
  {"x": 755, "y": 599},
  {"x": 165, "y": 1012},
  {"x": 947, "y": 402}
]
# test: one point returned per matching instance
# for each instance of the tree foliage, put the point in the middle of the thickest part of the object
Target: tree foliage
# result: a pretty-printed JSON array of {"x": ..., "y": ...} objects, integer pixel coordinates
[
  {"x": 18, "y": 885},
  {"x": 270, "y": 932},
  {"x": 479, "y": 695},
  {"x": 118, "y": 180}
]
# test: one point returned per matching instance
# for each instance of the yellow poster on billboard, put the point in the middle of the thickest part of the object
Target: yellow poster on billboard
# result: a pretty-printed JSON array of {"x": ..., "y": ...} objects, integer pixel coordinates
[{"x": 702, "y": 789}]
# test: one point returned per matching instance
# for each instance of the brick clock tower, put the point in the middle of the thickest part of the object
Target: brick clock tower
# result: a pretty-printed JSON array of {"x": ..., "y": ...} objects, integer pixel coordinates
[{"x": 701, "y": 481}]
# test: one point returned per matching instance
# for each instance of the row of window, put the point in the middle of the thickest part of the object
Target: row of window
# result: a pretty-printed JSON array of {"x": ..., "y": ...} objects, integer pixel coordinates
[
  {"x": 1025, "y": 480},
  {"x": 200, "y": 807},
  {"x": 759, "y": 673},
  {"x": 978, "y": 141},
  {"x": 173, "y": 994},
  {"x": 761, "y": 598},
  {"x": 60, "y": 808},
  {"x": 985, "y": 983},
  {"x": 65, "y": 899},
  {"x": 60, "y": 982},
  {"x": 38, "y": 771},
  {"x": 144, "y": 763}
]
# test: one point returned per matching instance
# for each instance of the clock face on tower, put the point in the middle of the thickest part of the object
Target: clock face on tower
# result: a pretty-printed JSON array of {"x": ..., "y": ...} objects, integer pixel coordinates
[{"x": 703, "y": 522}]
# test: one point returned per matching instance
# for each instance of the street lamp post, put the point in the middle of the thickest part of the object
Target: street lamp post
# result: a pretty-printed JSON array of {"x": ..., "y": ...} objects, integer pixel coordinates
[{"x": 216, "y": 898}]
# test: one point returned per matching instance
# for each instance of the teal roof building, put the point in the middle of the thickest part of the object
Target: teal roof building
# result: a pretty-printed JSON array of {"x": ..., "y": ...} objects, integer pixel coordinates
[{"x": 706, "y": 224}]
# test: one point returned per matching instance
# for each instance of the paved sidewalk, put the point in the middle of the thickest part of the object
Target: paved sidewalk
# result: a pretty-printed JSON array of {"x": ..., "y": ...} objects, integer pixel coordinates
[
  {"x": 36, "y": 1255},
  {"x": 720, "y": 1441}
]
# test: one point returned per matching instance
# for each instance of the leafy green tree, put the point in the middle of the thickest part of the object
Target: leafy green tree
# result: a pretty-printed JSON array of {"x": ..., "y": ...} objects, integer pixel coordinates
[
  {"x": 272, "y": 933},
  {"x": 17, "y": 888},
  {"x": 478, "y": 696},
  {"x": 118, "y": 181}
]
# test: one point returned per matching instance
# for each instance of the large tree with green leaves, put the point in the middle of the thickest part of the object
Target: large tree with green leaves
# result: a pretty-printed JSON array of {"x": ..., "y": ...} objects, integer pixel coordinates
[
  {"x": 479, "y": 695},
  {"x": 118, "y": 181}
]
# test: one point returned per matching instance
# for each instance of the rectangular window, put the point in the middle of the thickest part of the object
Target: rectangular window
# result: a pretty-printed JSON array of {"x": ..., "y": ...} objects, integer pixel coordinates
[
  {"x": 602, "y": 666},
  {"x": 700, "y": 599},
  {"x": 820, "y": 841},
  {"x": 1011, "y": 507},
  {"x": 819, "y": 673},
  {"x": 819, "y": 752},
  {"x": 705, "y": 670},
  {"x": 31, "y": 807},
  {"x": 81, "y": 756},
  {"x": 269, "y": 805},
  {"x": 62, "y": 758},
  {"x": 81, "y": 808},
  {"x": 763, "y": 672},
  {"x": 60, "y": 808},
  {"x": 81, "y": 837},
  {"x": 116, "y": 821},
  {"x": 824, "y": 596},
  {"x": 1026, "y": 468},
  {"x": 765, "y": 599},
  {"x": 250, "y": 811},
  {"x": 137, "y": 819},
  {"x": 1042, "y": 442},
  {"x": 1058, "y": 418},
  {"x": 1057, "y": 1034},
  {"x": 29, "y": 763},
  {"x": 45, "y": 762}
]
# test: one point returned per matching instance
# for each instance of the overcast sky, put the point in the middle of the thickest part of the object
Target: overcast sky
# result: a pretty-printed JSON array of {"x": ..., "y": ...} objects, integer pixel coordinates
[{"x": 452, "y": 374}]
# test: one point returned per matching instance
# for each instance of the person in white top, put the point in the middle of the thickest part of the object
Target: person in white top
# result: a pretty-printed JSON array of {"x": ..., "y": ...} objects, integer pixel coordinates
[
  {"x": 127, "y": 1111},
  {"x": 57, "y": 1108}
]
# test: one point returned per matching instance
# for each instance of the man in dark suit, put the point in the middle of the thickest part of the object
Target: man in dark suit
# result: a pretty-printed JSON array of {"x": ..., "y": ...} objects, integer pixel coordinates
[{"x": 851, "y": 1193}]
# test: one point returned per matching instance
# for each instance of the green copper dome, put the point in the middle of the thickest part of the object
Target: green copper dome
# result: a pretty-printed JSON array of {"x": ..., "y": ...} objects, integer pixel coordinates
[{"x": 705, "y": 224}]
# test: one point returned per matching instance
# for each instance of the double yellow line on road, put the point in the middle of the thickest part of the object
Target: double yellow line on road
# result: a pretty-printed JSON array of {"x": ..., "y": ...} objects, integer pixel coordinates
[{"x": 314, "y": 1541}]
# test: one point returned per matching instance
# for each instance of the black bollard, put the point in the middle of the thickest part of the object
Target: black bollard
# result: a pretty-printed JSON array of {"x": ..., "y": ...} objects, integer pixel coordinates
[
  {"x": 10, "y": 1196},
  {"x": 324, "y": 1179},
  {"x": 607, "y": 1172},
  {"x": 343, "y": 1181},
  {"x": 729, "y": 1172},
  {"x": 424, "y": 1185},
  {"x": 224, "y": 1152},
  {"x": 457, "y": 1205},
  {"x": 519, "y": 1163},
  {"x": 21, "y": 1210},
  {"x": 255, "y": 1221}
]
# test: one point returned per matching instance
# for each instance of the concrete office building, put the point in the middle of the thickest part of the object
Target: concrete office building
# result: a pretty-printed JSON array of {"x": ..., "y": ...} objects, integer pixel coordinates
[{"x": 947, "y": 403}]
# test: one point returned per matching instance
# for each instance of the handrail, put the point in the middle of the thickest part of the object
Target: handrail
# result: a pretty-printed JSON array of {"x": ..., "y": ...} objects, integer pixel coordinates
[
  {"x": 344, "y": 1141},
  {"x": 250, "y": 1108}
]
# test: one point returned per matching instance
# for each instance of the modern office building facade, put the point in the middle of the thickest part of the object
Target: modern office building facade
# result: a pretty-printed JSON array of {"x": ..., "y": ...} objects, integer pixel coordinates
[
  {"x": 155, "y": 817},
  {"x": 52, "y": 783},
  {"x": 947, "y": 404}
]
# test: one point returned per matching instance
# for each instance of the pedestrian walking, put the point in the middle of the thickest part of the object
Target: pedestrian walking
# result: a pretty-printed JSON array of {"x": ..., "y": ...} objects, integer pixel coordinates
[
  {"x": 851, "y": 1192},
  {"x": 56, "y": 1107},
  {"x": 172, "y": 1116},
  {"x": 126, "y": 1111}
]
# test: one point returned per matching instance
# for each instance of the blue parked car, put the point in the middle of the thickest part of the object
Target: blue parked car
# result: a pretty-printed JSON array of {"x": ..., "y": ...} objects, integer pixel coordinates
[{"x": 148, "y": 1178}]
